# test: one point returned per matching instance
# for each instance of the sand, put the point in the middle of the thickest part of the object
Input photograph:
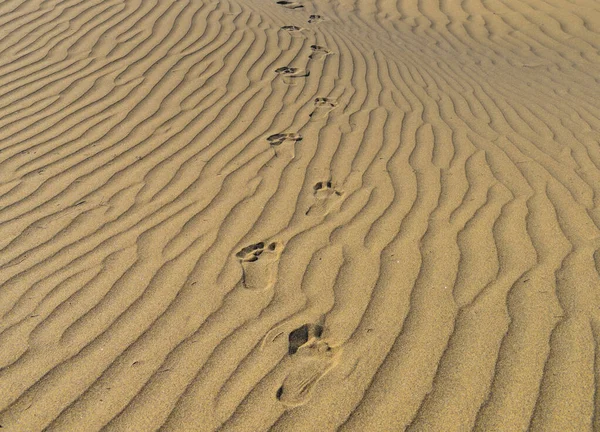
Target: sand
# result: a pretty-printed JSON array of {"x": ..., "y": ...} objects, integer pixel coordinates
[{"x": 260, "y": 215}]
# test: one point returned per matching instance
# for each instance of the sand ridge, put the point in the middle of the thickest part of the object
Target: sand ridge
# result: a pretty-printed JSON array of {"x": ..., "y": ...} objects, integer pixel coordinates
[{"x": 299, "y": 215}]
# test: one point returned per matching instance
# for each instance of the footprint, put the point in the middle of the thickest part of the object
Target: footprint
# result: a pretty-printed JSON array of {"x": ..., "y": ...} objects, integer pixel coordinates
[
  {"x": 290, "y": 4},
  {"x": 314, "y": 358},
  {"x": 293, "y": 30},
  {"x": 260, "y": 265},
  {"x": 314, "y": 19},
  {"x": 277, "y": 139},
  {"x": 280, "y": 138},
  {"x": 322, "y": 107},
  {"x": 302, "y": 336},
  {"x": 291, "y": 73},
  {"x": 286, "y": 70},
  {"x": 326, "y": 197},
  {"x": 319, "y": 52}
]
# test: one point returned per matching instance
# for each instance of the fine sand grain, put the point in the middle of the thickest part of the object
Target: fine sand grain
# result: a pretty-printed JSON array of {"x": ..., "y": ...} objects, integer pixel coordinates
[{"x": 312, "y": 215}]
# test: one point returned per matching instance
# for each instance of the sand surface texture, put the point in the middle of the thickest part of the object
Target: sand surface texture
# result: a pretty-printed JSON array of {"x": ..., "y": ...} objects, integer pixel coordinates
[{"x": 252, "y": 215}]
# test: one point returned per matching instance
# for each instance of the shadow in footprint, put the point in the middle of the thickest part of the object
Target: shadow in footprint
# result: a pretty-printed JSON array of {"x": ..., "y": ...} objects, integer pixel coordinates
[
  {"x": 314, "y": 359},
  {"x": 260, "y": 265},
  {"x": 322, "y": 107},
  {"x": 319, "y": 52},
  {"x": 314, "y": 19},
  {"x": 290, "y": 4},
  {"x": 326, "y": 199},
  {"x": 290, "y": 74}
]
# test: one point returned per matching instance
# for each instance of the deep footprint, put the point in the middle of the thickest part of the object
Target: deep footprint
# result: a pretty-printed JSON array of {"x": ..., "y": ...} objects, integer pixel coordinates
[
  {"x": 323, "y": 106},
  {"x": 326, "y": 199},
  {"x": 302, "y": 336},
  {"x": 319, "y": 52},
  {"x": 260, "y": 265},
  {"x": 315, "y": 359},
  {"x": 314, "y": 19}
]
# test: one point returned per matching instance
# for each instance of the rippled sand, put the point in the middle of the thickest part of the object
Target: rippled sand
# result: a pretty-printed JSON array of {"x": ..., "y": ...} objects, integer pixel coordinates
[{"x": 260, "y": 215}]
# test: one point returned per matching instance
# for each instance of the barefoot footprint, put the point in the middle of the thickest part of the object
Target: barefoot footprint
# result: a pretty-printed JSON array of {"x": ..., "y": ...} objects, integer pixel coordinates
[
  {"x": 290, "y": 74},
  {"x": 314, "y": 19},
  {"x": 260, "y": 265},
  {"x": 313, "y": 357},
  {"x": 293, "y": 30},
  {"x": 302, "y": 335},
  {"x": 277, "y": 139},
  {"x": 290, "y": 4},
  {"x": 323, "y": 106},
  {"x": 280, "y": 138},
  {"x": 326, "y": 197},
  {"x": 319, "y": 52}
]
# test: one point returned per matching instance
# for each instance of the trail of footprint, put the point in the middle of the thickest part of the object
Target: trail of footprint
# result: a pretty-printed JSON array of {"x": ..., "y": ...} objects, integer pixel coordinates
[
  {"x": 260, "y": 265},
  {"x": 290, "y": 4},
  {"x": 326, "y": 197},
  {"x": 314, "y": 358},
  {"x": 323, "y": 106},
  {"x": 319, "y": 52},
  {"x": 290, "y": 74},
  {"x": 315, "y": 19}
]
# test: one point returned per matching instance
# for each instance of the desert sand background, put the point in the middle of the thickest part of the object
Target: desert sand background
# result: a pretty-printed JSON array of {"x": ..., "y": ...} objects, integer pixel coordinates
[{"x": 251, "y": 215}]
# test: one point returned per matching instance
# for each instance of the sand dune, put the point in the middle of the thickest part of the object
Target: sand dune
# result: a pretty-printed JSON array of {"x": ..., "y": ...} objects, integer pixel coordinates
[{"x": 299, "y": 215}]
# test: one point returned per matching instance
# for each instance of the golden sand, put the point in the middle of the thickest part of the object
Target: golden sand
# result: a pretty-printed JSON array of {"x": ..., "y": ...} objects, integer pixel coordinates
[{"x": 337, "y": 215}]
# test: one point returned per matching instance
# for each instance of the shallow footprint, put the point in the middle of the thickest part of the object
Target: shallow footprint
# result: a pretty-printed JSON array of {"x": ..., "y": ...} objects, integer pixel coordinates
[
  {"x": 290, "y": 74},
  {"x": 280, "y": 138},
  {"x": 326, "y": 197},
  {"x": 314, "y": 361},
  {"x": 290, "y": 4},
  {"x": 260, "y": 265},
  {"x": 314, "y": 19},
  {"x": 319, "y": 52},
  {"x": 322, "y": 107},
  {"x": 293, "y": 30}
]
